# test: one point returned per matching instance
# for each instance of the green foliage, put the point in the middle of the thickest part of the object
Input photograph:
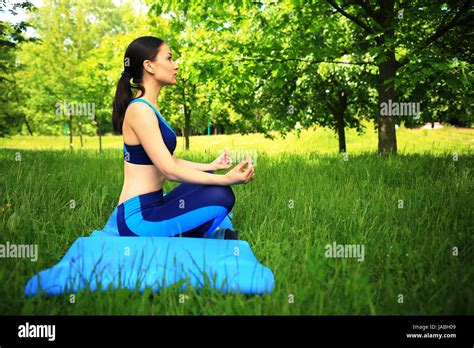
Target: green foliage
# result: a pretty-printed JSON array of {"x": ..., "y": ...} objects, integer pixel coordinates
[
  {"x": 246, "y": 66},
  {"x": 73, "y": 62},
  {"x": 11, "y": 36}
]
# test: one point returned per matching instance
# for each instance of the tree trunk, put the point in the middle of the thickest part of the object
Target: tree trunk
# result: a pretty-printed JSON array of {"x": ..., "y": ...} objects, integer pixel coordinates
[
  {"x": 386, "y": 83},
  {"x": 98, "y": 131},
  {"x": 70, "y": 131},
  {"x": 187, "y": 126},
  {"x": 187, "y": 120},
  {"x": 340, "y": 123},
  {"x": 79, "y": 125},
  {"x": 386, "y": 90},
  {"x": 27, "y": 125}
]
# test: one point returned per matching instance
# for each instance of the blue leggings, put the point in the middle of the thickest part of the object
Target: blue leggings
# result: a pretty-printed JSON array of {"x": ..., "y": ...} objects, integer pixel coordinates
[{"x": 189, "y": 210}]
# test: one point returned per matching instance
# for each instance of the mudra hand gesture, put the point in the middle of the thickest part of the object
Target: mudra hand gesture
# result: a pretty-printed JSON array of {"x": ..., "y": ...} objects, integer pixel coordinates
[{"x": 222, "y": 162}]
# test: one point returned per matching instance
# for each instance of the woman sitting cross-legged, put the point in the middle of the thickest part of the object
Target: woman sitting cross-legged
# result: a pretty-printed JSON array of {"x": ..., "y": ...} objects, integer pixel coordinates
[{"x": 200, "y": 203}]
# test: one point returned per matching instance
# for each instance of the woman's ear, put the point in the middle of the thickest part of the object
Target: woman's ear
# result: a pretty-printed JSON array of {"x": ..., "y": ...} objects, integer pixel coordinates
[{"x": 148, "y": 67}]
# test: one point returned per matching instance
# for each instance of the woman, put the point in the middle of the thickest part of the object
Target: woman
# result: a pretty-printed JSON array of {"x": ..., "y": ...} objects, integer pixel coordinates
[{"x": 199, "y": 204}]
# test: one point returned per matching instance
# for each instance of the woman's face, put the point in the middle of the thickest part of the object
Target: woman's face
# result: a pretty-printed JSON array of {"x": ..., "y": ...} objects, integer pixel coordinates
[{"x": 164, "y": 67}]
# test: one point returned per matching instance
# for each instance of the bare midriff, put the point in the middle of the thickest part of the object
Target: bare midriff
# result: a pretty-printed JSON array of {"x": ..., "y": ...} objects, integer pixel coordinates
[{"x": 138, "y": 178}]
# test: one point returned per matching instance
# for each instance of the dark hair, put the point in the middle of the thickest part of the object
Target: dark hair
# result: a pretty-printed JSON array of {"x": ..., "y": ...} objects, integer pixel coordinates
[{"x": 141, "y": 49}]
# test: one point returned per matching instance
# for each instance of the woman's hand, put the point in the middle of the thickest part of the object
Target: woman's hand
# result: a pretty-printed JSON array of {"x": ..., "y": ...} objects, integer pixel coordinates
[
  {"x": 240, "y": 175},
  {"x": 222, "y": 162}
]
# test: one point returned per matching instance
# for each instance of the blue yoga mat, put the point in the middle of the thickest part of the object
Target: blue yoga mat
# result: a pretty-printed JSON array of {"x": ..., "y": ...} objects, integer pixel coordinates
[{"x": 105, "y": 260}]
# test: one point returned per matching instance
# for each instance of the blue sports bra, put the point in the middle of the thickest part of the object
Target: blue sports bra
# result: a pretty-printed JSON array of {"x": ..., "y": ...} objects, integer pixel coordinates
[{"x": 136, "y": 153}]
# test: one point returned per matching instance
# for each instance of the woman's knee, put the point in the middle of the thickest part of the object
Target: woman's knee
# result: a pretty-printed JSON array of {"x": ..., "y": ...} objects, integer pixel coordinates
[
  {"x": 230, "y": 196},
  {"x": 224, "y": 195}
]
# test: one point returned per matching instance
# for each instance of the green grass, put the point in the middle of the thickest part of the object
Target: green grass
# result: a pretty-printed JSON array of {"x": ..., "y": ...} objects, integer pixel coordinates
[
  {"x": 408, "y": 251},
  {"x": 320, "y": 140}
]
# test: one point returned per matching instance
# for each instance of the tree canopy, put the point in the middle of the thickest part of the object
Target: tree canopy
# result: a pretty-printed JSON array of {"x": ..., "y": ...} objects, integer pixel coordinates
[{"x": 245, "y": 66}]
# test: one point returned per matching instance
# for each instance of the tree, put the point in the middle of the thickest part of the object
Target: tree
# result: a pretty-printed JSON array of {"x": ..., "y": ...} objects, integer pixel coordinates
[
  {"x": 60, "y": 69},
  {"x": 393, "y": 35},
  {"x": 11, "y": 36},
  {"x": 264, "y": 64}
]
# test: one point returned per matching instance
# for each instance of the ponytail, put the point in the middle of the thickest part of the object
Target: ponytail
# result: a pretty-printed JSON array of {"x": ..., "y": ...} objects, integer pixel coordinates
[{"x": 123, "y": 96}]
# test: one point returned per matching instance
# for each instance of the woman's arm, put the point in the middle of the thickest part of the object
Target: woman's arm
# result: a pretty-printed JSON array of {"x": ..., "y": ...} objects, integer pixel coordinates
[{"x": 204, "y": 167}]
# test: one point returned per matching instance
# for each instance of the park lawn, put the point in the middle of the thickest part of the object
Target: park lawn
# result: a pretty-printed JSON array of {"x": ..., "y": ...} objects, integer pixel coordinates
[
  {"x": 317, "y": 139},
  {"x": 413, "y": 214}
]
